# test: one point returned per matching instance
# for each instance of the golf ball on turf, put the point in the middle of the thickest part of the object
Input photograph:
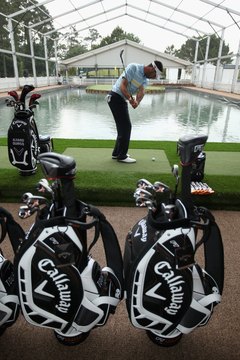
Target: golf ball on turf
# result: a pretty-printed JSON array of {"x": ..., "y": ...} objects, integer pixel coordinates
[{"x": 153, "y": 158}]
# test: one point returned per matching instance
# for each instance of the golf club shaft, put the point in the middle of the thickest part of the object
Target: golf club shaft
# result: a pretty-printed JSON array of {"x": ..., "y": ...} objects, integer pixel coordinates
[{"x": 121, "y": 57}]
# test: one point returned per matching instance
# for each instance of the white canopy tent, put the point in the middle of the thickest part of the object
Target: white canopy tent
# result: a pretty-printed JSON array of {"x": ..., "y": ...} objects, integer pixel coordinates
[{"x": 184, "y": 19}]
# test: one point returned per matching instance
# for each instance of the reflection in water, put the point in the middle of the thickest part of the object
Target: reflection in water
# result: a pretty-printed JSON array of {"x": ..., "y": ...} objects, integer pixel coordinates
[{"x": 72, "y": 113}]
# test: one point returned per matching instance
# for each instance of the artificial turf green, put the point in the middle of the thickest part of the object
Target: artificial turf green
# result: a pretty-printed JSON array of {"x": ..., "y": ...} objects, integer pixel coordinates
[
  {"x": 223, "y": 163},
  {"x": 116, "y": 188},
  {"x": 100, "y": 159}
]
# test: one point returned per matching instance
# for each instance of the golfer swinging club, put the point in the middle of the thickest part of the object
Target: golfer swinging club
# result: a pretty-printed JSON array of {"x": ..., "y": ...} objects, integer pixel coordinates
[{"x": 133, "y": 80}]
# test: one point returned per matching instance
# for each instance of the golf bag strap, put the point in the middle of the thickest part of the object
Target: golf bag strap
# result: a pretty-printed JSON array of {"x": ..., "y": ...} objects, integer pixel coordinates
[
  {"x": 110, "y": 242},
  {"x": 3, "y": 230},
  {"x": 213, "y": 246},
  {"x": 209, "y": 299},
  {"x": 9, "y": 299},
  {"x": 15, "y": 232},
  {"x": 213, "y": 251},
  {"x": 203, "y": 308}
]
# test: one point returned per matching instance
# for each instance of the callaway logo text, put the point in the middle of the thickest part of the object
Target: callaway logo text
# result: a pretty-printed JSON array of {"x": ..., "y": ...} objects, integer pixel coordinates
[
  {"x": 164, "y": 269},
  {"x": 60, "y": 281}
]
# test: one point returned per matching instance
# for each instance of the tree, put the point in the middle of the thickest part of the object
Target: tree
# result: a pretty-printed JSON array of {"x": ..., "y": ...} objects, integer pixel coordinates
[
  {"x": 75, "y": 50},
  {"x": 21, "y": 36},
  {"x": 92, "y": 38},
  {"x": 187, "y": 50},
  {"x": 170, "y": 50},
  {"x": 117, "y": 35}
]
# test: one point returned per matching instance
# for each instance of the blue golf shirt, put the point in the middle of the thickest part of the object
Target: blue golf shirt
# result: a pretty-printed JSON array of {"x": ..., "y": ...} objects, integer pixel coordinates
[{"x": 134, "y": 73}]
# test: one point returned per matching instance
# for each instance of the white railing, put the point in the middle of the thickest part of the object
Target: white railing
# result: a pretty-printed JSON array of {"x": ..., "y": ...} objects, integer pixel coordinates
[
  {"x": 11, "y": 83},
  {"x": 7, "y": 84}
]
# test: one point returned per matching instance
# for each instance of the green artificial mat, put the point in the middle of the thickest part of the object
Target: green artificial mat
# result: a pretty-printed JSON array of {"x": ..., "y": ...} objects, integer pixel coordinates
[
  {"x": 99, "y": 159},
  {"x": 4, "y": 162},
  {"x": 92, "y": 159},
  {"x": 222, "y": 163}
]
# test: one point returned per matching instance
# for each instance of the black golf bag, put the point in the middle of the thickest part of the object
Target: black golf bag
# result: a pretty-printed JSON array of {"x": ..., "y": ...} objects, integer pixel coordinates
[
  {"x": 59, "y": 284},
  {"x": 9, "y": 303},
  {"x": 24, "y": 142},
  {"x": 170, "y": 289}
]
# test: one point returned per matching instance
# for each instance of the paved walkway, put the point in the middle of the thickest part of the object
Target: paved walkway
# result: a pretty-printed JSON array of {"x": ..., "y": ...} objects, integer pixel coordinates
[
  {"x": 4, "y": 94},
  {"x": 215, "y": 92}
]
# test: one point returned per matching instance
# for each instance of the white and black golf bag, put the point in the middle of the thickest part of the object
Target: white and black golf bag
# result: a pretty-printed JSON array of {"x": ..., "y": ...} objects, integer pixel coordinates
[
  {"x": 9, "y": 301},
  {"x": 59, "y": 284},
  {"x": 170, "y": 289},
  {"x": 24, "y": 142}
]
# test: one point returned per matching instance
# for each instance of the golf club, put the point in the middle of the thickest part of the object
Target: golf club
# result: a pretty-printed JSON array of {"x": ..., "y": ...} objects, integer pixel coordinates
[
  {"x": 144, "y": 184},
  {"x": 25, "y": 211},
  {"x": 121, "y": 57},
  {"x": 160, "y": 187},
  {"x": 10, "y": 102},
  {"x": 43, "y": 186},
  {"x": 33, "y": 98},
  {"x": 30, "y": 199},
  {"x": 26, "y": 89},
  {"x": 14, "y": 94}
]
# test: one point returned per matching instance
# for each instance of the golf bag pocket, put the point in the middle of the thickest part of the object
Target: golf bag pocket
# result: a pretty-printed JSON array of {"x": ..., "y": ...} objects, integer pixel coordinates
[
  {"x": 62, "y": 287},
  {"x": 167, "y": 293},
  {"x": 23, "y": 143}
]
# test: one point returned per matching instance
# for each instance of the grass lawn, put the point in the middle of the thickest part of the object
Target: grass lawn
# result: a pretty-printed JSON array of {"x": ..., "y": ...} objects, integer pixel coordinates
[{"x": 105, "y": 187}]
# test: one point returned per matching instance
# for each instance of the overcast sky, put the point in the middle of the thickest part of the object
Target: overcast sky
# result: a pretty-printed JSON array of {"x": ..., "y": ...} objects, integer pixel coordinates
[{"x": 150, "y": 35}]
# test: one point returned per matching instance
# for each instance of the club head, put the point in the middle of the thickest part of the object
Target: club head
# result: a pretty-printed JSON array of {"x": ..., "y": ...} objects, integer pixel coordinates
[
  {"x": 10, "y": 102},
  {"x": 145, "y": 203},
  {"x": 14, "y": 94},
  {"x": 160, "y": 187},
  {"x": 25, "y": 212},
  {"x": 26, "y": 196},
  {"x": 36, "y": 201},
  {"x": 144, "y": 184},
  {"x": 33, "y": 99},
  {"x": 35, "y": 96},
  {"x": 175, "y": 171},
  {"x": 142, "y": 193},
  {"x": 43, "y": 186}
]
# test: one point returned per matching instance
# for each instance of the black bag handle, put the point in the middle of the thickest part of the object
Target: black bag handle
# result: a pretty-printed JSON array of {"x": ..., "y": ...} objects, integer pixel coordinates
[{"x": 3, "y": 227}]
